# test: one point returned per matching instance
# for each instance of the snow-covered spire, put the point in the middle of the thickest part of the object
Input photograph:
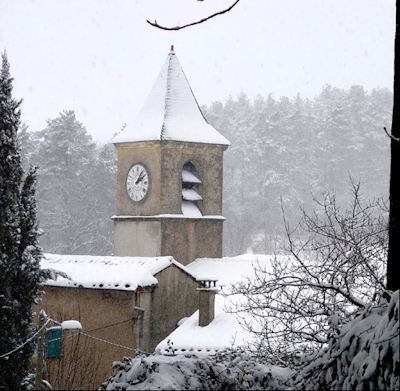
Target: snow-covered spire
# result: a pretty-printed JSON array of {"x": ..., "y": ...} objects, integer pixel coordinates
[{"x": 171, "y": 112}]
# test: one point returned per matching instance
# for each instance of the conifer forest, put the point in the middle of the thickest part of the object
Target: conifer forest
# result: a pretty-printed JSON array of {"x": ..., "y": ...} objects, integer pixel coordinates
[{"x": 284, "y": 151}]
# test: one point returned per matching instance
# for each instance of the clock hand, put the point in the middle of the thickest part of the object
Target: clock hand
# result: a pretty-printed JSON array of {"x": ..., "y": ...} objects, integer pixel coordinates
[{"x": 140, "y": 178}]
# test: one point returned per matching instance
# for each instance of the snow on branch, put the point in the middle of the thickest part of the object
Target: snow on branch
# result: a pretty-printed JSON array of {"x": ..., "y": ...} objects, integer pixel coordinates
[
  {"x": 391, "y": 135},
  {"x": 363, "y": 355},
  {"x": 333, "y": 268},
  {"x": 155, "y": 24}
]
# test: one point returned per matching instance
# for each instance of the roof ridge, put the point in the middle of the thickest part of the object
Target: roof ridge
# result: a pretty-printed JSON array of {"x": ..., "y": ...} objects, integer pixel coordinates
[
  {"x": 171, "y": 112},
  {"x": 167, "y": 89},
  {"x": 194, "y": 96}
]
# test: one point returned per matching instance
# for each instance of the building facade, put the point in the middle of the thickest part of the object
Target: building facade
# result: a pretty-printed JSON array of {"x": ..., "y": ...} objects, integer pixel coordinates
[{"x": 126, "y": 305}]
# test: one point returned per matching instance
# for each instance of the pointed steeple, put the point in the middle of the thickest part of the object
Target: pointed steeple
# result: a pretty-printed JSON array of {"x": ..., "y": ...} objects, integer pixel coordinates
[{"x": 171, "y": 112}]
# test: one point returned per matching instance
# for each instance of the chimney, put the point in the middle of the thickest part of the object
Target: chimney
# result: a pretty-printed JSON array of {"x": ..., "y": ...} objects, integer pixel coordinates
[{"x": 207, "y": 292}]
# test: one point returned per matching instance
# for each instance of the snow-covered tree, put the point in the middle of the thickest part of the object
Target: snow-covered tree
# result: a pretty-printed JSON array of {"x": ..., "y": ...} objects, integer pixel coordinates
[
  {"x": 227, "y": 370},
  {"x": 280, "y": 148},
  {"x": 20, "y": 253},
  {"x": 26, "y": 142},
  {"x": 284, "y": 148},
  {"x": 334, "y": 268},
  {"x": 362, "y": 354},
  {"x": 75, "y": 190}
]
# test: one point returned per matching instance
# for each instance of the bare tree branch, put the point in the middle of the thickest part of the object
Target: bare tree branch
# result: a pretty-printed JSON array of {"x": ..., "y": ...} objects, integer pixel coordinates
[
  {"x": 391, "y": 136},
  {"x": 334, "y": 264},
  {"x": 155, "y": 24}
]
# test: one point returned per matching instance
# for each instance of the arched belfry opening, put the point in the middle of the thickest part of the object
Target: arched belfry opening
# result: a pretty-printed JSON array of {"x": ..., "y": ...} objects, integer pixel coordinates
[{"x": 191, "y": 197}]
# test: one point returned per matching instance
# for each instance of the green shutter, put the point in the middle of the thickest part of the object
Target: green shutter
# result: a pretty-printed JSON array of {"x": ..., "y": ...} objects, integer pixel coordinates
[{"x": 53, "y": 338}]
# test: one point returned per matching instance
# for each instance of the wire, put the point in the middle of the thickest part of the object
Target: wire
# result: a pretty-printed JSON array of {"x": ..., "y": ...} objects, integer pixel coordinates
[
  {"x": 97, "y": 339},
  {"x": 111, "y": 325},
  {"x": 27, "y": 341},
  {"x": 79, "y": 333},
  {"x": 104, "y": 327},
  {"x": 111, "y": 343},
  {"x": 103, "y": 340}
]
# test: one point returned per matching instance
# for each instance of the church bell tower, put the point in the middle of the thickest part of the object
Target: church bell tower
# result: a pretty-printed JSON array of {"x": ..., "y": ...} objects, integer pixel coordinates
[{"x": 170, "y": 172}]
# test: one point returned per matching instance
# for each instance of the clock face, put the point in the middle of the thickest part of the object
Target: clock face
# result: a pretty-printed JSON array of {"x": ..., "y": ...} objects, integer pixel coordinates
[{"x": 137, "y": 182}]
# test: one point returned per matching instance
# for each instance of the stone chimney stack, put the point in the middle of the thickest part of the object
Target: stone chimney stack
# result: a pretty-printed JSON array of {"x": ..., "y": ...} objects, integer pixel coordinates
[{"x": 207, "y": 293}]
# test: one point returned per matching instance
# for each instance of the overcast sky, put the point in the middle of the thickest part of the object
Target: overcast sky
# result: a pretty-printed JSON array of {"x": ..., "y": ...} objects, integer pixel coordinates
[{"x": 100, "y": 57}]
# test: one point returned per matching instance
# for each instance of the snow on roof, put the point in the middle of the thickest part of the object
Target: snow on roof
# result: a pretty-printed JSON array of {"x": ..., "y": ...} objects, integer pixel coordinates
[
  {"x": 191, "y": 195},
  {"x": 189, "y": 177},
  {"x": 107, "y": 272},
  {"x": 229, "y": 270},
  {"x": 169, "y": 216},
  {"x": 171, "y": 112},
  {"x": 190, "y": 209},
  {"x": 225, "y": 330}
]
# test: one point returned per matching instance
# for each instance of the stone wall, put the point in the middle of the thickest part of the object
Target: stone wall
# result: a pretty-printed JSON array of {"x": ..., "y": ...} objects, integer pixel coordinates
[
  {"x": 86, "y": 362},
  {"x": 189, "y": 239},
  {"x": 175, "y": 297},
  {"x": 208, "y": 161},
  {"x": 185, "y": 239},
  {"x": 164, "y": 161},
  {"x": 148, "y": 154}
]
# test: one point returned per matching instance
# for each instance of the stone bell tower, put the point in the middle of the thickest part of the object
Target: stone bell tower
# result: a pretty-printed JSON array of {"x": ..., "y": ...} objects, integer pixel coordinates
[{"x": 170, "y": 171}]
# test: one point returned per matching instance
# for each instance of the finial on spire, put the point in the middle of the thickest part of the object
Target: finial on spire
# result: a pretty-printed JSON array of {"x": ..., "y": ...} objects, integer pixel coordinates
[{"x": 172, "y": 48}]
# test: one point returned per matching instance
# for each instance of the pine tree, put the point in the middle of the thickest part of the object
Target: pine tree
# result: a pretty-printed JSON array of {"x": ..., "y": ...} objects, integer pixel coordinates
[
  {"x": 75, "y": 182},
  {"x": 19, "y": 250}
]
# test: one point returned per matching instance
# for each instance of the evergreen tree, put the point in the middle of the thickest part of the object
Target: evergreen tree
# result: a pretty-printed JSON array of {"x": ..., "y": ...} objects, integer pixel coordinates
[
  {"x": 28, "y": 142},
  {"x": 286, "y": 150},
  {"x": 19, "y": 251},
  {"x": 73, "y": 189}
]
